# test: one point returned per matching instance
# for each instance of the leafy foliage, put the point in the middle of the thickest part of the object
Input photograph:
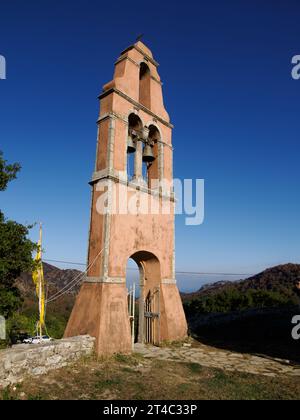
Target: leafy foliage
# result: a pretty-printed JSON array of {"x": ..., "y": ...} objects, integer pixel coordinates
[
  {"x": 8, "y": 172},
  {"x": 232, "y": 299},
  {"x": 15, "y": 249},
  {"x": 10, "y": 300}
]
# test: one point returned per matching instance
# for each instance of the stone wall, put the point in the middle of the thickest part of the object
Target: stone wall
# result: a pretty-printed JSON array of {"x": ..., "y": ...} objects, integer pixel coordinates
[{"x": 36, "y": 359}]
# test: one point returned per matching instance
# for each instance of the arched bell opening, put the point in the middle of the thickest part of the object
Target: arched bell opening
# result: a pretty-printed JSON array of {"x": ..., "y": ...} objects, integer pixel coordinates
[
  {"x": 147, "y": 300},
  {"x": 144, "y": 86},
  {"x": 150, "y": 156},
  {"x": 135, "y": 127},
  {"x": 142, "y": 151},
  {"x": 153, "y": 166}
]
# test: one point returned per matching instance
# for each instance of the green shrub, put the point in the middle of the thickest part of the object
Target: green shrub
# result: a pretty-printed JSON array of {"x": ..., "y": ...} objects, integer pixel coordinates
[{"x": 234, "y": 300}]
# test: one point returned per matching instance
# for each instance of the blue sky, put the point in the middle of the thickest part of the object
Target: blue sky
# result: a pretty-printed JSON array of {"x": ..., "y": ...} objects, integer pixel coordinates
[{"x": 226, "y": 68}]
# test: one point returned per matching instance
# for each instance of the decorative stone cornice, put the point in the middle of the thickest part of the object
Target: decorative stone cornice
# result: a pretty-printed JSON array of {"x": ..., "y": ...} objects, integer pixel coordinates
[
  {"x": 115, "y": 177},
  {"x": 104, "y": 279},
  {"x": 168, "y": 281}
]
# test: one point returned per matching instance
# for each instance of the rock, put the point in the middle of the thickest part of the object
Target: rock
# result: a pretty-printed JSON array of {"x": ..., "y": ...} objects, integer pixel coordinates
[{"x": 38, "y": 371}]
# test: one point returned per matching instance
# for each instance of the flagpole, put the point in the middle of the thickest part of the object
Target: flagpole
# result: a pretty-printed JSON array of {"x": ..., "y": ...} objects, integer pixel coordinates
[{"x": 40, "y": 284}]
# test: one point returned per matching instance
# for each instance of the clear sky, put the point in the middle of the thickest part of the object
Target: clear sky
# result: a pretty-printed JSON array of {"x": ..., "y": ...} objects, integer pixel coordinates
[{"x": 226, "y": 68}]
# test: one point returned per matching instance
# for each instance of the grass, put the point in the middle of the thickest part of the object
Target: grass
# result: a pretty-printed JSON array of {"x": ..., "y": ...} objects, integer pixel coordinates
[
  {"x": 194, "y": 367},
  {"x": 133, "y": 377}
]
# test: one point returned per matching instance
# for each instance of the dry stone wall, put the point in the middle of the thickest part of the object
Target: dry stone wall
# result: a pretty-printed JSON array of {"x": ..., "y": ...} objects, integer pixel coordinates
[{"x": 24, "y": 360}]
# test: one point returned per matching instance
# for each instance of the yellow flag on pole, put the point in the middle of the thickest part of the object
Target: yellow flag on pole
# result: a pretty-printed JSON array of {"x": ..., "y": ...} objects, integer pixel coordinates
[{"x": 38, "y": 279}]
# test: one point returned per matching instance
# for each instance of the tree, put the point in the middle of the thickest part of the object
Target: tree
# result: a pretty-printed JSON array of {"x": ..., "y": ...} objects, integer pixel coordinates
[
  {"x": 15, "y": 249},
  {"x": 8, "y": 172}
]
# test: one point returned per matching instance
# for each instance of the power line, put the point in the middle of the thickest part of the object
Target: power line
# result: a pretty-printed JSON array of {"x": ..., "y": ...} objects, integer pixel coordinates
[
  {"x": 65, "y": 262},
  {"x": 75, "y": 281},
  {"x": 215, "y": 274},
  {"x": 177, "y": 272},
  {"x": 78, "y": 279}
]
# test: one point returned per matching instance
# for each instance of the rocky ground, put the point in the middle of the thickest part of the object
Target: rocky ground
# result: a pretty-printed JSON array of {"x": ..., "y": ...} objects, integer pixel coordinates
[
  {"x": 211, "y": 357},
  {"x": 188, "y": 371}
]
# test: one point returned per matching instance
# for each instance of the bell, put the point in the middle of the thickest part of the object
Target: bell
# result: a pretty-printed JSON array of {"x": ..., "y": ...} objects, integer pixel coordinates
[
  {"x": 148, "y": 154},
  {"x": 131, "y": 147}
]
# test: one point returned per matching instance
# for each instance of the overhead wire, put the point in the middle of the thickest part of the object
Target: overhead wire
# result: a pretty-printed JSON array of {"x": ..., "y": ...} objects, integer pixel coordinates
[
  {"x": 177, "y": 272},
  {"x": 68, "y": 286},
  {"x": 73, "y": 283}
]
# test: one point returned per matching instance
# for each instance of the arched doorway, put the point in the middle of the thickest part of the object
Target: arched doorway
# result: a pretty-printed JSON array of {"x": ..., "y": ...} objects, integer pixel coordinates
[{"x": 147, "y": 328}]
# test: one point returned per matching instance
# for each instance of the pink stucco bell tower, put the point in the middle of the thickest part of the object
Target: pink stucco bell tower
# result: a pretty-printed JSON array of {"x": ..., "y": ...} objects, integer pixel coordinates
[{"x": 133, "y": 157}]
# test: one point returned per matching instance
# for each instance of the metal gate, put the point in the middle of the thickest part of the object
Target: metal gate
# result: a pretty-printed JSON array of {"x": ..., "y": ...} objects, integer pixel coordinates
[
  {"x": 152, "y": 317},
  {"x": 131, "y": 311}
]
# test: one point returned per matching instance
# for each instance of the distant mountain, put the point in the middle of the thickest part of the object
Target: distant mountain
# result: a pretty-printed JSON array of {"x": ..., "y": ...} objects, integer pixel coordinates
[
  {"x": 55, "y": 277},
  {"x": 207, "y": 289},
  {"x": 281, "y": 279}
]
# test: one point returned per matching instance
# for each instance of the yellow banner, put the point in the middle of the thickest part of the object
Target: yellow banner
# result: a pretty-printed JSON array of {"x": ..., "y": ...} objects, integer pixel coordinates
[{"x": 38, "y": 280}]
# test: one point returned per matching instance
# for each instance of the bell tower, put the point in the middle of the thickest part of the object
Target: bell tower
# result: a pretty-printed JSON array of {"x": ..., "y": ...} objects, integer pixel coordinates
[{"x": 132, "y": 213}]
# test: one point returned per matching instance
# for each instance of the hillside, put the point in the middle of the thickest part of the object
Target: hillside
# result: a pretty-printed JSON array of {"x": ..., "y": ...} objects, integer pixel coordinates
[
  {"x": 252, "y": 315},
  {"x": 279, "y": 279},
  {"x": 55, "y": 277},
  {"x": 58, "y": 311}
]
